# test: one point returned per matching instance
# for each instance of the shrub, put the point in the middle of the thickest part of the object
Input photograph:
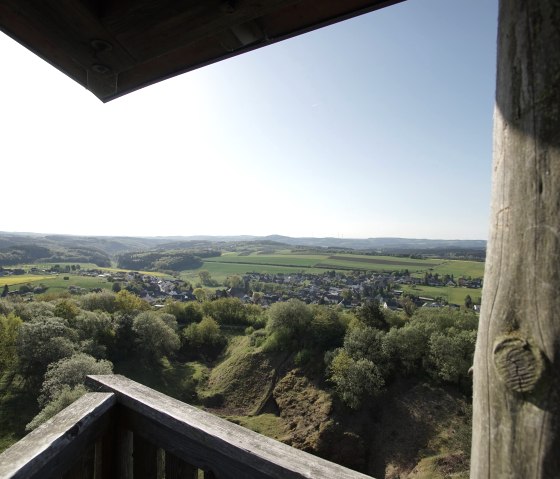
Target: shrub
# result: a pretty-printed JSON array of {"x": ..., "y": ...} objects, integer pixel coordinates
[
  {"x": 288, "y": 324},
  {"x": 203, "y": 339},
  {"x": 354, "y": 380},
  {"x": 104, "y": 301},
  {"x": 155, "y": 335},
  {"x": 70, "y": 372}
]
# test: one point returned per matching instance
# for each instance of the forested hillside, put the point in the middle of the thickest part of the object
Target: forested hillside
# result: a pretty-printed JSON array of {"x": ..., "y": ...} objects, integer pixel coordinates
[{"x": 383, "y": 392}]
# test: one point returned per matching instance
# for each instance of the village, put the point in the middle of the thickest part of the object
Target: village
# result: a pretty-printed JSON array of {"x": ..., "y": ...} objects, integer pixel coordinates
[{"x": 393, "y": 290}]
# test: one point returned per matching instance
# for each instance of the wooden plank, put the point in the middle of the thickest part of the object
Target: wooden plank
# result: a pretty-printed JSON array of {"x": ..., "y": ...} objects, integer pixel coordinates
[
  {"x": 54, "y": 447},
  {"x": 516, "y": 403},
  {"x": 124, "y": 458},
  {"x": 175, "y": 468},
  {"x": 145, "y": 458},
  {"x": 212, "y": 443}
]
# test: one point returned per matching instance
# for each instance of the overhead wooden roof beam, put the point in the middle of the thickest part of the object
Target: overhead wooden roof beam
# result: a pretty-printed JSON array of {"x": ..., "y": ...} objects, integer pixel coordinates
[{"x": 113, "y": 47}]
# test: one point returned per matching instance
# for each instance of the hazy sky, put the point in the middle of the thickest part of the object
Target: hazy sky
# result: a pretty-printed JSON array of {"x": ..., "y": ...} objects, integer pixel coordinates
[{"x": 377, "y": 126}]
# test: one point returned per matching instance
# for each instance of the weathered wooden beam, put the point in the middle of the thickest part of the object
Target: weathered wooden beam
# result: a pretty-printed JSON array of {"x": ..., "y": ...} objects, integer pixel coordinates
[
  {"x": 177, "y": 469},
  {"x": 212, "y": 443},
  {"x": 516, "y": 416},
  {"x": 57, "y": 445}
]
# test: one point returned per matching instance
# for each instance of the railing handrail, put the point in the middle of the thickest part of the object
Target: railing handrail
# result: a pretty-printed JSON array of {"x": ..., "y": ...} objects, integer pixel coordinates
[
  {"x": 206, "y": 440},
  {"x": 132, "y": 431},
  {"x": 48, "y": 450}
]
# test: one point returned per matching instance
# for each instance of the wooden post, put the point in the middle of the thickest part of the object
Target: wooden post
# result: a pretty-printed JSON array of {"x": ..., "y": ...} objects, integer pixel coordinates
[
  {"x": 177, "y": 469},
  {"x": 516, "y": 416},
  {"x": 145, "y": 457}
]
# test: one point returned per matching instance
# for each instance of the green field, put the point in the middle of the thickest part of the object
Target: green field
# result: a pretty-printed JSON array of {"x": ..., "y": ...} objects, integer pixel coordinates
[
  {"x": 23, "y": 279},
  {"x": 474, "y": 269},
  {"x": 27, "y": 267},
  {"x": 320, "y": 262},
  {"x": 451, "y": 294},
  {"x": 56, "y": 283}
]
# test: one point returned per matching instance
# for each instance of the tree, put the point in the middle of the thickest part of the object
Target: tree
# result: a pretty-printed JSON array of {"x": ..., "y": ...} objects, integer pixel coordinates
[
  {"x": 200, "y": 294},
  {"x": 354, "y": 380},
  {"x": 452, "y": 354},
  {"x": 288, "y": 323},
  {"x": 468, "y": 301},
  {"x": 155, "y": 335},
  {"x": 5, "y": 291},
  {"x": 9, "y": 330},
  {"x": 71, "y": 372},
  {"x": 234, "y": 281},
  {"x": 116, "y": 287},
  {"x": 103, "y": 301},
  {"x": 205, "y": 277},
  {"x": 227, "y": 311},
  {"x": 66, "y": 309},
  {"x": 203, "y": 339},
  {"x": 370, "y": 314},
  {"x": 127, "y": 302},
  {"x": 42, "y": 341}
]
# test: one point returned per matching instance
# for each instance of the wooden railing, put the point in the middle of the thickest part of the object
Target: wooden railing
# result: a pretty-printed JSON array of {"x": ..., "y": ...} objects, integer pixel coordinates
[{"x": 131, "y": 431}]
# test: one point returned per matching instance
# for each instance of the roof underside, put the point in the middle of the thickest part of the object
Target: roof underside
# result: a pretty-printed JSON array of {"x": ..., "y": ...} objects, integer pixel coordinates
[{"x": 113, "y": 47}]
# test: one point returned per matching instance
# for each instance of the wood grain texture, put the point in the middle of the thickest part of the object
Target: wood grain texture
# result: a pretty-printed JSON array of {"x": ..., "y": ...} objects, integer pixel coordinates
[
  {"x": 516, "y": 415},
  {"x": 209, "y": 442},
  {"x": 57, "y": 446}
]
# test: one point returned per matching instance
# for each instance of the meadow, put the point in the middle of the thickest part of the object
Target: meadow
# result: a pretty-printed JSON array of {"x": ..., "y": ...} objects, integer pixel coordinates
[
  {"x": 55, "y": 282},
  {"x": 453, "y": 295},
  {"x": 289, "y": 262}
]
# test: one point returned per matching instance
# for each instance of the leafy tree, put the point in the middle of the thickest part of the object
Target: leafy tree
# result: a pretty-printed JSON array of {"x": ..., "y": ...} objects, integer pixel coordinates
[
  {"x": 28, "y": 311},
  {"x": 227, "y": 311},
  {"x": 234, "y": 281},
  {"x": 9, "y": 330},
  {"x": 127, "y": 302},
  {"x": 66, "y": 309},
  {"x": 203, "y": 339},
  {"x": 288, "y": 324},
  {"x": 366, "y": 343},
  {"x": 63, "y": 399},
  {"x": 116, "y": 287},
  {"x": 370, "y": 314},
  {"x": 96, "y": 332},
  {"x": 327, "y": 328},
  {"x": 200, "y": 294},
  {"x": 103, "y": 301},
  {"x": 155, "y": 334},
  {"x": 452, "y": 354},
  {"x": 468, "y": 301},
  {"x": 42, "y": 341},
  {"x": 70, "y": 372},
  {"x": 5, "y": 291},
  {"x": 205, "y": 278},
  {"x": 355, "y": 380}
]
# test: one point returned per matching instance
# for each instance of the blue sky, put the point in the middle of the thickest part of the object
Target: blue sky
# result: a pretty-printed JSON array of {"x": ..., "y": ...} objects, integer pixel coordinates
[{"x": 377, "y": 126}]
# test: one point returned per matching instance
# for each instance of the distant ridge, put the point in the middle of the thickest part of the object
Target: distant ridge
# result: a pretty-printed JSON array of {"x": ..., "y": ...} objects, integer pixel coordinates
[{"x": 118, "y": 244}]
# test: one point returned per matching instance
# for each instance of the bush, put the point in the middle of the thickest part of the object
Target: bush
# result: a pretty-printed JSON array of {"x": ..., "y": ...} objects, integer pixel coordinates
[
  {"x": 289, "y": 325},
  {"x": 155, "y": 335},
  {"x": 203, "y": 339},
  {"x": 104, "y": 301},
  {"x": 354, "y": 380},
  {"x": 43, "y": 341},
  {"x": 230, "y": 311},
  {"x": 63, "y": 399},
  {"x": 70, "y": 372}
]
